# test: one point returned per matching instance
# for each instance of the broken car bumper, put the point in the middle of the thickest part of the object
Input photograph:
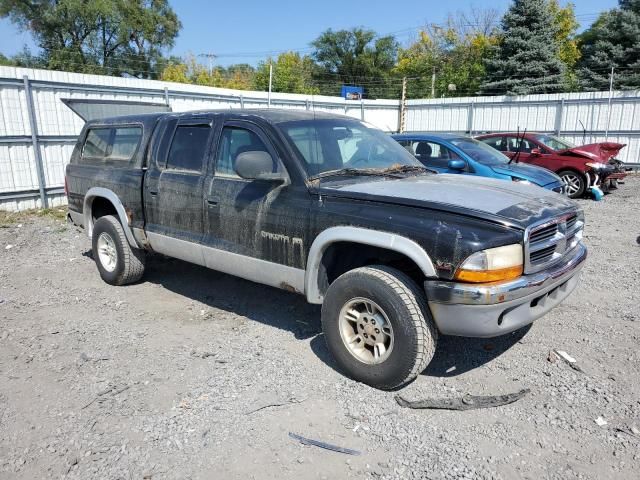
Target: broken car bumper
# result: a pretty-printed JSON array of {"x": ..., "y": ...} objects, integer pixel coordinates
[{"x": 489, "y": 310}]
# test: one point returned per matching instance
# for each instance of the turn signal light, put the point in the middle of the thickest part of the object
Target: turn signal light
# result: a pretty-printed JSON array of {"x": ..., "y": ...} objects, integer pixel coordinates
[{"x": 485, "y": 276}]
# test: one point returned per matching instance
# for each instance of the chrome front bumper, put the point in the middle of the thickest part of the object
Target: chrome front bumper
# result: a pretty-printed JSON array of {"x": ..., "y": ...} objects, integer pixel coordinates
[{"x": 489, "y": 310}]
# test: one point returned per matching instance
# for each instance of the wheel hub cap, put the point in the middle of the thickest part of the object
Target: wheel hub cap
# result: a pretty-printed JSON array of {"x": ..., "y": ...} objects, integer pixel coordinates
[
  {"x": 107, "y": 253},
  {"x": 366, "y": 331},
  {"x": 572, "y": 182}
]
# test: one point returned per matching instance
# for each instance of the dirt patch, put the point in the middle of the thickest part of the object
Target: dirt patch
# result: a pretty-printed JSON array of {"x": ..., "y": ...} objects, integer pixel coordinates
[{"x": 195, "y": 374}]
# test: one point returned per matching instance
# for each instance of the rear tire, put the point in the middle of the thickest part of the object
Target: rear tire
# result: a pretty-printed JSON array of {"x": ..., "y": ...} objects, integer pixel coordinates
[
  {"x": 575, "y": 183},
  {"x": 378, "y": 327},
  {"x": 117, "y": 262}
]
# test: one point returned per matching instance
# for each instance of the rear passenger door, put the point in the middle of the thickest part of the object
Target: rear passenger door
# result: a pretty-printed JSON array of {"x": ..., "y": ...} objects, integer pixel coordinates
[{"x": 174, "y": 189}]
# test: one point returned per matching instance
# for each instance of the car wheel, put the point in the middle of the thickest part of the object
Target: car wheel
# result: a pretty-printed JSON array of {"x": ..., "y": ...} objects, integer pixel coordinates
[
  {"x": 378, "y": 327},
  {"x": 574, "y": 182},
  {"x": 117, "y": 262}
]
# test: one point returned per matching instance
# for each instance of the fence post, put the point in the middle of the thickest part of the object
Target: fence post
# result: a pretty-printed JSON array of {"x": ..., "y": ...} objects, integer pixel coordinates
[
  {"x": 166, "y": 97},
  {"x": 33, "y": 126},
  {"x": 559, "y": 117},
  {"x": 362, "y": 109},
  {"x": 470, "y": 118},
  {"x": 241, "y": 101}
]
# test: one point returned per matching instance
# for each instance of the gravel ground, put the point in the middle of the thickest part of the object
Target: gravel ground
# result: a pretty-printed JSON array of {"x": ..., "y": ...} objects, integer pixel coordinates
[{"x": 195, "y": 374}]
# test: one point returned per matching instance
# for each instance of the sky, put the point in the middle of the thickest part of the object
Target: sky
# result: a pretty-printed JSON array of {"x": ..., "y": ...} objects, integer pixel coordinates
[{"x": 247, "y": 32}]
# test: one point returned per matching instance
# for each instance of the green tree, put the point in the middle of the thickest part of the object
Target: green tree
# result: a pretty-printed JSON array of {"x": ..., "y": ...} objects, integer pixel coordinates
[
  {"x": 114, "y": 37},
  {"x": 612, "y": 41},
  {"x": 455, "y": 53},
  {"x": 292, "y": 73},
  {"x": 566, "y": 26},
  {"x": 5, "y": 61},
  {"x": 526, "y": 60},
  {"x": 355, "y": 57}
]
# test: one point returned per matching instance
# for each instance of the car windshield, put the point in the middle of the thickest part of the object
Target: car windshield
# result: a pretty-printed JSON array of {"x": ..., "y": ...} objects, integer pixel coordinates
[
  {"x": 480, "y": 151},
  {"x": 554, "y": 143},
  {"x": 327, "y": 145}
]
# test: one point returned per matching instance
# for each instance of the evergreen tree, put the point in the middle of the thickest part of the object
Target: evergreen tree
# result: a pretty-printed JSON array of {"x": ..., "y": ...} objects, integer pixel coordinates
[
  {"x": 612, "y": 41},
  {"x": 526, "y": 60}
]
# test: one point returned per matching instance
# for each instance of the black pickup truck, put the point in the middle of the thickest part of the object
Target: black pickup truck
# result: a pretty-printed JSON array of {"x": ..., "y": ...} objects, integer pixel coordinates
[{"x": 331, "y": 208}]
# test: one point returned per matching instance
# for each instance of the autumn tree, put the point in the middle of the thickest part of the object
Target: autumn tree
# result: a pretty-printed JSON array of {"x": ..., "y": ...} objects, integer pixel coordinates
[
  {"x": 449, "y": 58},
  {"x": 566, "y": 26}
]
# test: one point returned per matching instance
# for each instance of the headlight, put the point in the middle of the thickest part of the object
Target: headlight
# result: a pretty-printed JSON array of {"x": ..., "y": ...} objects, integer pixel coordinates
[
  {"x": 521, "y": 181},
  {"x": 596, "y": 166},
  {"x": 492, "y": 265}
]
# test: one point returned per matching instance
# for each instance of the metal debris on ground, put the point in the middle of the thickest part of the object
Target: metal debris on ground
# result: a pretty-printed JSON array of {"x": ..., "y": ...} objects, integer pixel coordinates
[
  {"x": 467, "y": 402},
  {"x": 568, "y": 359},
  {"x": 327, "y": 446},
  {"x": 601, "y": 422}
]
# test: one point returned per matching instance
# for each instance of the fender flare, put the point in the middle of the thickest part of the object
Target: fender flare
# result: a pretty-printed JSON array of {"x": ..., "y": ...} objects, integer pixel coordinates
[
  {"x": 376, "y": 238},
  {"x": 107, "y": 194}
]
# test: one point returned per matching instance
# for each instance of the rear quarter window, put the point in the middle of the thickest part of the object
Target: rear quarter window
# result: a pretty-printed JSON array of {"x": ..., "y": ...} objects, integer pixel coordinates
[{"x": 111, "y": 145}]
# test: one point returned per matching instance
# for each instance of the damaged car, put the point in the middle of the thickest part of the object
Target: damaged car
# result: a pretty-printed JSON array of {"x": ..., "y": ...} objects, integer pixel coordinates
[
  {"x": 331, "y": 208},
  {"x": 585, "y": 169}
]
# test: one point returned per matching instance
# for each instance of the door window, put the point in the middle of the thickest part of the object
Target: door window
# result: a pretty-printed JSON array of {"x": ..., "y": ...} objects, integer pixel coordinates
[
  {"x": 525, "y": 145},
  {"x": 189, "y": 147},
  {"x": 499, "y": 143},
  {"x": 233, "y": 142},
  {"x": 433, "y": 154}
]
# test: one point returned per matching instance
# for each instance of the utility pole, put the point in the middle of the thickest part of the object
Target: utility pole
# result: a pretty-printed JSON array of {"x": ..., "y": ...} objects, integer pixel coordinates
[
  {"x": 403, "y": 106},
  {"x": 606, "y": 132},
  {"x": 211, "y": 57},
  {"x": 433, "y": 83},
  {"x": 270, "y": 84}
]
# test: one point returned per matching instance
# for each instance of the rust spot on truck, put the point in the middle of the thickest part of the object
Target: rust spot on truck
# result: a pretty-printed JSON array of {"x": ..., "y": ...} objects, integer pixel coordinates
[{"x": 289, "y": 288}]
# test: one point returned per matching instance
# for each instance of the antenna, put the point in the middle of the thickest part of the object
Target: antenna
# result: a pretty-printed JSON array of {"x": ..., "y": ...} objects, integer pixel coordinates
[
  {"x": 584, "y": 131},
  {"x": 517, "y": 155}
]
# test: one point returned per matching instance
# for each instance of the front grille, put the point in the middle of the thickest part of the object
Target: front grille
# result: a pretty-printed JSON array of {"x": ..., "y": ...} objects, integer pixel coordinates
[
  {"x": 542, "y": 255},
  {"x": 548, "y": 242},
  {"x": 543, "y": 233}
]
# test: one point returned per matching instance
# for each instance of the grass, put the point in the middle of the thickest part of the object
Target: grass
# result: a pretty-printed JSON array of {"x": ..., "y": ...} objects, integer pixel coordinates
[{"x": 8, "y": 219}]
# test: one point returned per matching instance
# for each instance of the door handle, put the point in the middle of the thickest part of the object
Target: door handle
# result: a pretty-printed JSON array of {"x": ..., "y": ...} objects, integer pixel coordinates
[
  {"x": 213, "y": 201},
  {"x": 153, "y": 193}
]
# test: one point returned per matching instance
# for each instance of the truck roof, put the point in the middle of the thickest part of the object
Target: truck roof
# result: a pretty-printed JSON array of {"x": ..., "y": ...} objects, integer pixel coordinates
[{"x": 272, "y": 115}]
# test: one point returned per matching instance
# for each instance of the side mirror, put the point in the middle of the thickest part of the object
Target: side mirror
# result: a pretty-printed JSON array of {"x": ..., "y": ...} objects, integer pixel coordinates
[
  {"x": 257, "y": 165},
  {"x": 457, "y": 164},
  {"x": 536, "y": 152}
]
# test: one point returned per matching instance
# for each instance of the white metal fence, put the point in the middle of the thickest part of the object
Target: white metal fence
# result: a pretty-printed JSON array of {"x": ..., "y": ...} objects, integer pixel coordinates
[{"x": 38, "y": 131}]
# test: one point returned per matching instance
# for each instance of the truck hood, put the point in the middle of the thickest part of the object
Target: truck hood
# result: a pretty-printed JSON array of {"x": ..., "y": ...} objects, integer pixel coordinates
[
  {"x": 538, "y": 175},
  {"x": 602, "y": 152},
  {"x": 499, "y": 201}
]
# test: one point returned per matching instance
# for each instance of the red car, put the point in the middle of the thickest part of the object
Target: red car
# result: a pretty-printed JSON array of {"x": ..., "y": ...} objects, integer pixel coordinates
[{"x": 581, "y": 168}]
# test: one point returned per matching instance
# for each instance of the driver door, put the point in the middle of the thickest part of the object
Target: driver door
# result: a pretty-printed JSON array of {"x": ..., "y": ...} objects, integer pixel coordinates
[{"x": 263, "y": 219}]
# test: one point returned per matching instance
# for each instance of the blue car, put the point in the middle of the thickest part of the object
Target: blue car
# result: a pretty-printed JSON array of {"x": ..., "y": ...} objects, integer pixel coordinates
[{"x": 455, "y": 153}]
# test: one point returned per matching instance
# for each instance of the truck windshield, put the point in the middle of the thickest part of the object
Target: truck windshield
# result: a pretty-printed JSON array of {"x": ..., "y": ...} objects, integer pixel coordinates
[
  {"x": 334, "y": 144},
  {"x": 554, "y": 143},
  {"x": 480, "y": 151}
]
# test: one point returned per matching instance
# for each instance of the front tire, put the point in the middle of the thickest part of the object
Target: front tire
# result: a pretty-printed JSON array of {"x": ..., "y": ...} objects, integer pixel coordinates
[
  {"x": 378, "y": 327},
  {"x": 117, "y": 262},
  {"x": 575, "y": 183}
]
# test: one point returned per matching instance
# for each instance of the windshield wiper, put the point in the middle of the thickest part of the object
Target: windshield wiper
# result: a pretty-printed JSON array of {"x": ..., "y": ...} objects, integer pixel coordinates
[
  {"x": 345, "y": 172},
  {"x": 390, "y": 171}
]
